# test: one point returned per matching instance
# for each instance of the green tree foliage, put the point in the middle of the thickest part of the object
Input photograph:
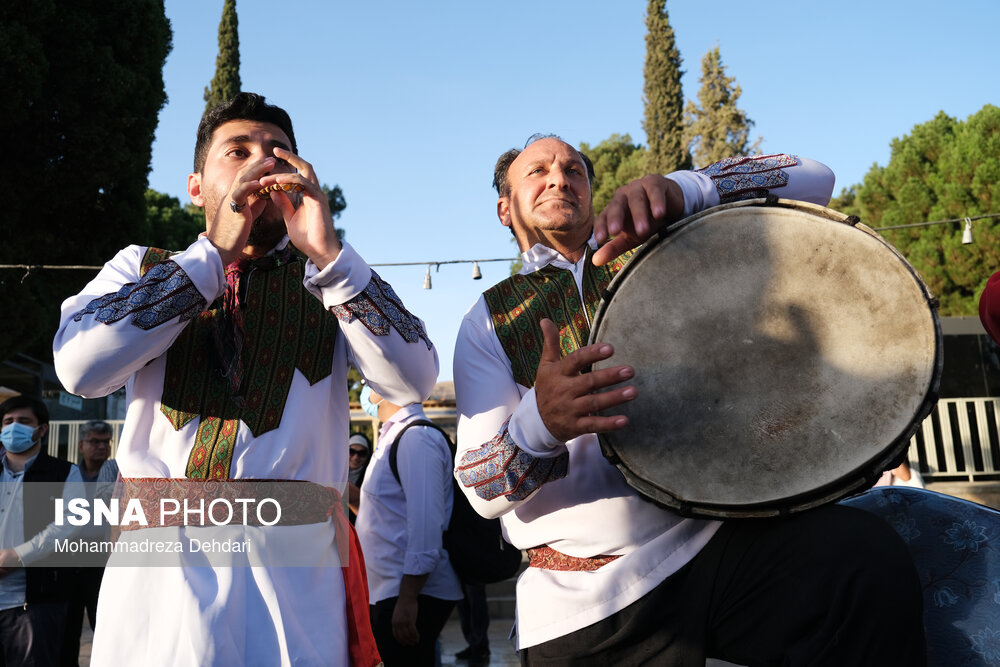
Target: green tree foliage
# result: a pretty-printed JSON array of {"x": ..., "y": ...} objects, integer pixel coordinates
[
  {"x": 662, "y": 95},
  {"x": 168, "y": 225},
  {"x": 335, "y": 197},
  {"x": 944, "y": 169},
  {"x": 226, "y": 82},
  {"x": 616, "y": 162},
  {"x": 80, "y": 94},
  {"x": 716, "y": 128}
]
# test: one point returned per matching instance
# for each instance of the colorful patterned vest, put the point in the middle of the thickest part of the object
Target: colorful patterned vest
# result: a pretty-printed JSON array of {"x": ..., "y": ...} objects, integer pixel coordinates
[
  {"x": 517, "y": 305},
  {"x": 284, "y": 328}
]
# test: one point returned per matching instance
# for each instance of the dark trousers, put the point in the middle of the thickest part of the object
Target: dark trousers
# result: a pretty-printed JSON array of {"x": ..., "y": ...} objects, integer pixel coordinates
[
  {"x": 30, "y": 637},
  {"x": 474, "y": 616},
  {"x": 83, "y": 591},
  {"x": 432, "y": 614},
  {"x": 832, "y": 586}
]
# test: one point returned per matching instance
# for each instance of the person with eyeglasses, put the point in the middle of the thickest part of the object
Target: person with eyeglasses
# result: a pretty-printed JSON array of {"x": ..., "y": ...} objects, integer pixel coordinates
[
  {"x": 360, "y": 451},
  {"x": 96, "y": 467},
  {"x": 95, "y": 449}
]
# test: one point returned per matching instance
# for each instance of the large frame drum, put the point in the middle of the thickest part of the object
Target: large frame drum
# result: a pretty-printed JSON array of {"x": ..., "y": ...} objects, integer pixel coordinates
[{"x": 784, "y": 355}]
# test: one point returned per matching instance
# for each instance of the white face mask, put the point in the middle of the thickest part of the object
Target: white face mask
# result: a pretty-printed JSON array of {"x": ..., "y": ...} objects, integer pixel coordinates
[{"x": 17, "y": 437}]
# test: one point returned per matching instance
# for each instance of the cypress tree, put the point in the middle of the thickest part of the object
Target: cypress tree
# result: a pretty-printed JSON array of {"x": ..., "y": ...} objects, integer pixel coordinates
[
  {"x": 662, "y": 95},
  {"x": 226, "y": 82},
  {"x": 717, "y": 128}
]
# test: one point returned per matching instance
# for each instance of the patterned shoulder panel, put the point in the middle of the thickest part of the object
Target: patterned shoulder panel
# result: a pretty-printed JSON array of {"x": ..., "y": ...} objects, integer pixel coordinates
[
  {"x": 378, "y": 308},
  {"x": 163, "y": 292},
  {"x": 739, "y": 178}
]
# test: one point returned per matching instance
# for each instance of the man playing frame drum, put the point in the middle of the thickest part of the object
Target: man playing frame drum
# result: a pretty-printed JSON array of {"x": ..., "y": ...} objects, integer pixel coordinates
[{"x": 615, "y": 579}]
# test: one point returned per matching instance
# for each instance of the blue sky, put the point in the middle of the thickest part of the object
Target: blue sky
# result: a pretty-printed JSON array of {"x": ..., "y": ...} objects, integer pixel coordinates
[{"x": 407, "y": 105}]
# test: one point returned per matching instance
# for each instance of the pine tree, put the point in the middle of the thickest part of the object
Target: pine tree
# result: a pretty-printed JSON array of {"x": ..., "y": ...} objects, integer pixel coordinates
[
  {"x": 945, "y": 169},
  {"x": 717, "y": 128},
  {"x": 662, "y": 94},
  {"x": 226, "y": 82}
]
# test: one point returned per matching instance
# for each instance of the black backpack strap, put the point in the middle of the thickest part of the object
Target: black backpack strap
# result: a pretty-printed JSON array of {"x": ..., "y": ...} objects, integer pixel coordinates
[{"x": 393, "y": 465}]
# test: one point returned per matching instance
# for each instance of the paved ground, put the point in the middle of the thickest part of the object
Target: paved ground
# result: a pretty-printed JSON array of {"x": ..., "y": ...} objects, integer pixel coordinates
[{"x": 501, "y": 649}]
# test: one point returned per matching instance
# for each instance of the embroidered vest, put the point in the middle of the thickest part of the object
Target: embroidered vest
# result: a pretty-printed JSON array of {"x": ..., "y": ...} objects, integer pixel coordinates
[
  {"x": 285, "y": 328},
  {"x": 518, "y": 303}
]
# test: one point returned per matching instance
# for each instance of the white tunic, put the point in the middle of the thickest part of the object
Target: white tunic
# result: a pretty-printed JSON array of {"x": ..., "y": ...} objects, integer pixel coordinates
[
  {"x": 591, "y": 511},
  {"x": 193, "y": 614},
  {"x": 400, "y": 523}
]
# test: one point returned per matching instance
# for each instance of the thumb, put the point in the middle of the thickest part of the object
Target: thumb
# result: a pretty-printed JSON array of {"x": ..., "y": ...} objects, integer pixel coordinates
[{"x": 551, "y": 351}]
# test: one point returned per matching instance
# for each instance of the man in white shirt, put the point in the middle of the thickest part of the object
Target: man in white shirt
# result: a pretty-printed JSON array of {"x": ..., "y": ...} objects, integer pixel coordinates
[
  {"x": 234, "y": 353},
  {"x": 614, "y": 578},
  {"x": 412, "y": 586}
]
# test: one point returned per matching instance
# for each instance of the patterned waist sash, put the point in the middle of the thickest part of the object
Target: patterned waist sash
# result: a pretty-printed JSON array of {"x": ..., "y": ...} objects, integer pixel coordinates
[
  {"x": 547, "y": 558},
  {"x": 300, "y": 502}
]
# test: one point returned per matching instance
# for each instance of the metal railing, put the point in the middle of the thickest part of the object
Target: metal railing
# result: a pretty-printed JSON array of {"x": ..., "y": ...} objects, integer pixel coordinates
[
  {"x": 958, "y": 441},
  {"x": 64, "y": 435}
]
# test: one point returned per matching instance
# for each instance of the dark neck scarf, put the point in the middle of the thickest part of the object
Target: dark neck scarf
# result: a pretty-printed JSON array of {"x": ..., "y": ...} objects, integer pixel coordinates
[{"x": 229, "y": 332}]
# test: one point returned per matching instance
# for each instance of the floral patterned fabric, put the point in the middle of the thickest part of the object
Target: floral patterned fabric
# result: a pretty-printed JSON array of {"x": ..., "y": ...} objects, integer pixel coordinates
[
  {"x": 955, "y": 546},
  {"x": 163, "y": 293},
  {"x": 501, "y": 468},
  {"x": 379, "y": 308},
  {"x": 739, "y": 178}
]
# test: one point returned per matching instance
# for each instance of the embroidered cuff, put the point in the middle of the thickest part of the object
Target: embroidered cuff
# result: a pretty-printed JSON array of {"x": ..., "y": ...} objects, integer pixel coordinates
[
  {"x": 378, "y": 308},
  {"x": 165, "y": 292},
  {"x": 739, "y": 178},
  {"x": 501, "y": 468}
]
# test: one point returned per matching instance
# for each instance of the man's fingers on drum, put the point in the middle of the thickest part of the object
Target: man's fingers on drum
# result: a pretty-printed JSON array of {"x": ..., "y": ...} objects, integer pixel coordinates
[
  {"x": 609, "y": 251},
  {"x": 595, "y": 381},
  {"x": 580, "y": 361},
  {"x": 593, "y": 403},
  {"x": 638, "y": 207},
  {"x": 597, "y": 424}
]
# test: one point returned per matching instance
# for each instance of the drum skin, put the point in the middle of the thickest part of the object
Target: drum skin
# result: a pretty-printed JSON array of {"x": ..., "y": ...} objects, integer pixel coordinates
[{"x": 784, "y": 355}]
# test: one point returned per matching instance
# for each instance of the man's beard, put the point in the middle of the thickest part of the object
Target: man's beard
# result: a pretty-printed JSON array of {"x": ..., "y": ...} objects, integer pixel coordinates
[{"x": 265, "y": 233}]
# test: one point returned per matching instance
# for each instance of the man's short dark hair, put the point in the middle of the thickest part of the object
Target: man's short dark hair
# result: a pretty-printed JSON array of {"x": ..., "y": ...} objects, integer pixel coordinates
[
  {"x": 502, "y": 167},
  {"x": 95, "y": 427},
  {"x": 244, "y": 106},
  {"x": 22, "y": 401}
]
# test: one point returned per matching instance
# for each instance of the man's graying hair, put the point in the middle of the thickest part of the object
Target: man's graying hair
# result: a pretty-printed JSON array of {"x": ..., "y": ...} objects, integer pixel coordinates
[
  {"x": 95, "y": 427},
  {"x": 502, "y": 167}
]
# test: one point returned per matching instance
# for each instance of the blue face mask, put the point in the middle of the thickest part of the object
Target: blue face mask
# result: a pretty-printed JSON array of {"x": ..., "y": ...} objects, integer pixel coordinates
[
  {"x": 17, "y": 437},
  {"x": 366, "y": 402}
]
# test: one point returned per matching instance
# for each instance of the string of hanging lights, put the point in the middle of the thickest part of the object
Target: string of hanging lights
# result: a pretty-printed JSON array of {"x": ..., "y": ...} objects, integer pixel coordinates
[{"x": 967, "y": 238}]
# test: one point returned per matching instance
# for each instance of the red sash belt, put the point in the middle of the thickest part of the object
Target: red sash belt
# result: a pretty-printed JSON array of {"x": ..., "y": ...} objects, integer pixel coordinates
[
  {"x": 301, "y": 503},
  {"x": 547, "y": 558}
]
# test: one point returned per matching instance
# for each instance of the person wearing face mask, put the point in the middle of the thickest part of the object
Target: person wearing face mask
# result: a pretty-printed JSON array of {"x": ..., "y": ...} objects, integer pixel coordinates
[
  {"x": 359, "y": 450},
  {"x": 32, "y": 597}
]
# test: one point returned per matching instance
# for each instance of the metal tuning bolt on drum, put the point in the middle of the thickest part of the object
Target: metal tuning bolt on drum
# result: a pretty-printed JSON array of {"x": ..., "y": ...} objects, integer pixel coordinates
[{"x": 784, "y": 356}]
